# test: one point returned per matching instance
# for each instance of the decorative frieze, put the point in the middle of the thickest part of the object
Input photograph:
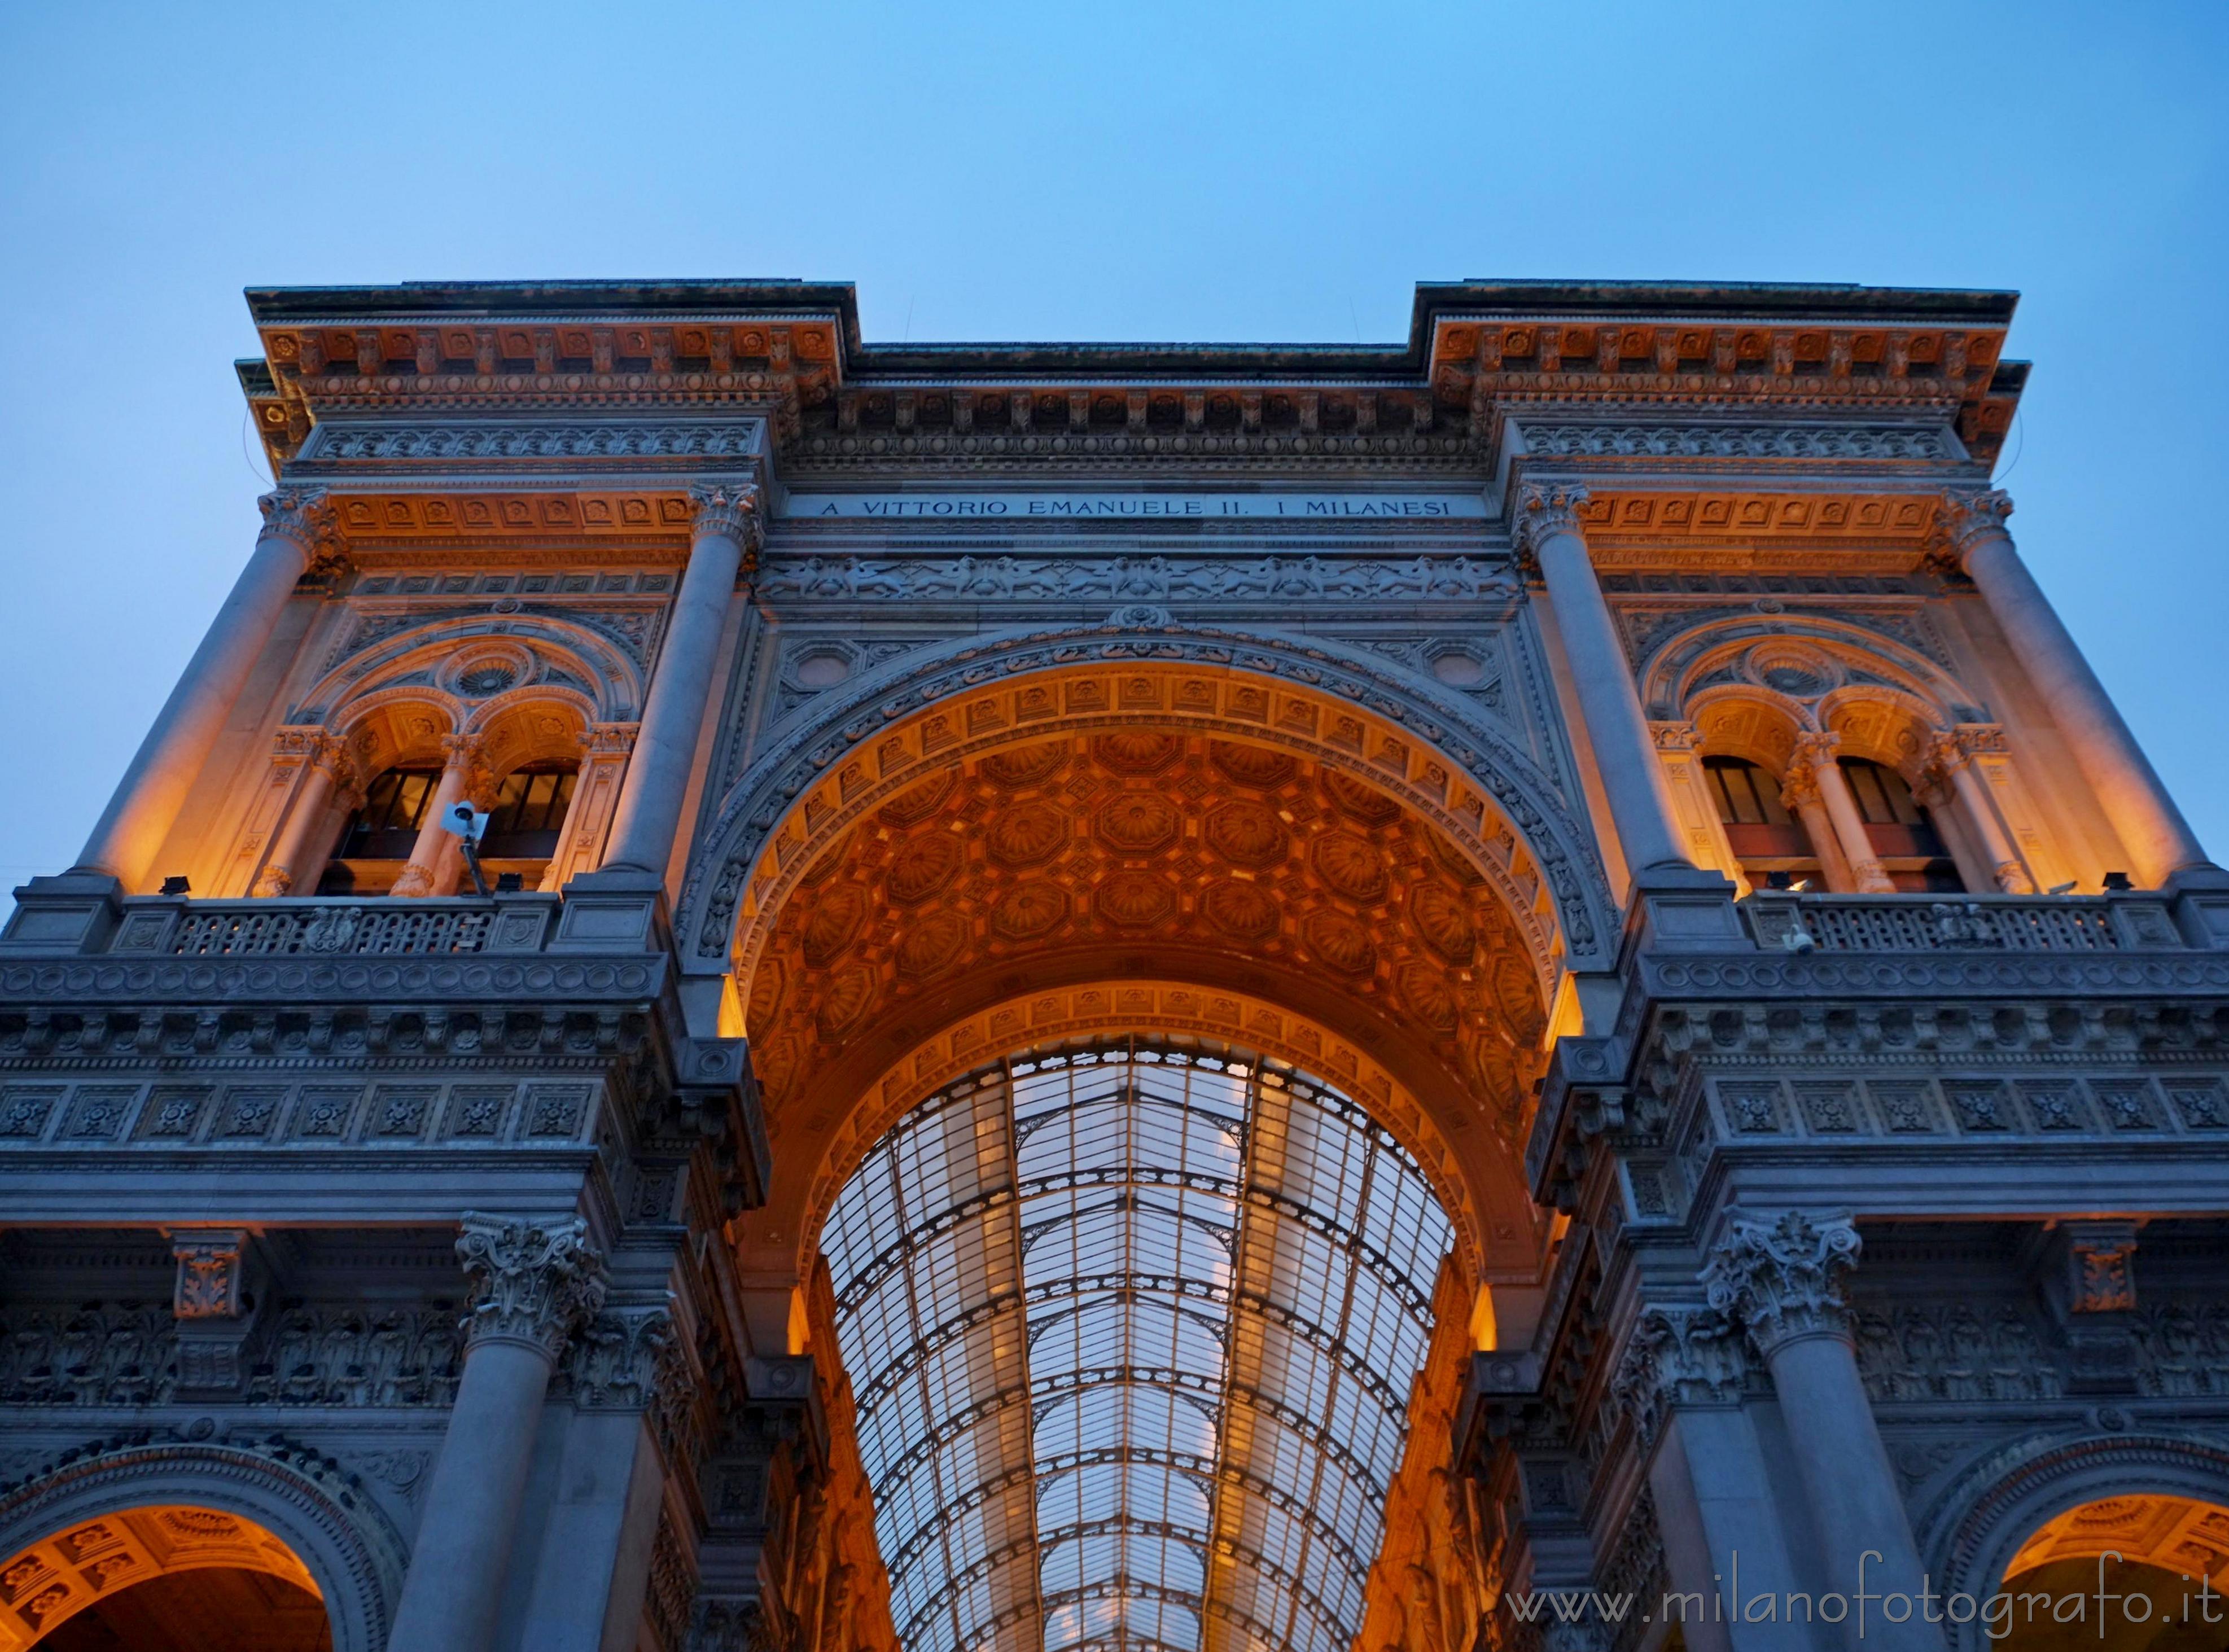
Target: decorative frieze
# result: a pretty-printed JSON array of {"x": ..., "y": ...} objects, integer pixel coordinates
[
  {"x": 350, "y": 442},
  {"x": 1785, "y": 442},
  {"x": 1424, "y": 577}
]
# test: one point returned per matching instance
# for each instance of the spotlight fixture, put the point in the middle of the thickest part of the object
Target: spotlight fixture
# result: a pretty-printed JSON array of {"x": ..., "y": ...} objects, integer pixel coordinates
[{"x": 177, "y": 886}]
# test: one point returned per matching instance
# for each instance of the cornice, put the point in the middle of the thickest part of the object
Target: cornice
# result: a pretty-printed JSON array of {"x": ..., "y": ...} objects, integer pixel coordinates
[{"x": 793, "y": 350}]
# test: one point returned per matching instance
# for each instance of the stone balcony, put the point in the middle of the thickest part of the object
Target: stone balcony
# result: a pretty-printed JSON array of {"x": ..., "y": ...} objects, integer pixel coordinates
[
  {"x": 539, "y": 1038},
  {"x": 2085, "y": 1033}
]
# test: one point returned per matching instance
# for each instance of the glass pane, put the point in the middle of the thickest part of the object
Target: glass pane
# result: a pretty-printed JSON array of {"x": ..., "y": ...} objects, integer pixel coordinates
[{"x": 1054, "y": 1288}]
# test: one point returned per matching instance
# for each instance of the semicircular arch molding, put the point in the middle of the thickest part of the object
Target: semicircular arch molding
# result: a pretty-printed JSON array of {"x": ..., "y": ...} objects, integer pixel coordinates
[
  {"x": 530, "y": 648},
  {"x": 344, "y": 1546},
  {"x": 1801, "y": 657},
  {"x": 1491, "y": 800},
  {"x": 1475, "y": 1177},
  {"x": 1982, "y": 1519}
]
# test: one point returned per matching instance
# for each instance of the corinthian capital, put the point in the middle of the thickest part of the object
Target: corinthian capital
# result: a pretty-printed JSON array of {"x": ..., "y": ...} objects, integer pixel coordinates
[
  {"x": 302, "y": 515},
  {"x": 532, "y": 1283},
  {"x": 730, "y": 509},
  {"x": 1544, "y": 510},
  {"x": 1814, "y": 751},
  {"x": 1970, "y": 518},
  {"x": 1784, "y": 1278},
  {"x": 1680, "y": 1356}
]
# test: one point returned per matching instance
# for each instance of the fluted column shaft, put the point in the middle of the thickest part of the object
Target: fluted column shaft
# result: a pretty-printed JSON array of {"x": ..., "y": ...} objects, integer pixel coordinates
[
  {"x": 649, "y": 813},
  {"x": 535, "y": 1283},
  {"x": 429, "y": 853},
  {"x": 1784, "y": 1280},
  {"x": 1547, "y": 528},
  {"x": 296, "y": 525},
  {"x": 286, "y": 867},
  {"x": 2121, "y": 778}
]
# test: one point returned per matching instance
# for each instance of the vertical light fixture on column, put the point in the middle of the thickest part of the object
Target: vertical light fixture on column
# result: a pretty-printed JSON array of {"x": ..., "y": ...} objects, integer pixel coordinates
[
  {"x": 2120, "y": 775},
  {"x": 724, "y": 530},
  {"x": 430, "y": 850},
  {"x": 535, "y": 1283},
  {"x": 1547, "y": 529},
  {"x": 298, "y": 527}
]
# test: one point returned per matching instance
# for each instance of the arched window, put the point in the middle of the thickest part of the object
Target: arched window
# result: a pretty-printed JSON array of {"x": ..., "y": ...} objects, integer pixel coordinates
[
  {"x": 379, "y": 837},
  {"x": 1771, "y": 845},
  {"x": 1900, "y": 829},
  {"x": 526, "y": 821}
]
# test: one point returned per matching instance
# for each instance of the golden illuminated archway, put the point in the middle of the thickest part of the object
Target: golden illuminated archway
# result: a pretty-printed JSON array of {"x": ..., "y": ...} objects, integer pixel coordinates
[
  {"x": 2181, "y": 1536},
  {"x": 49, "y": 1582},
  {"x": 1012, "y": 885}
]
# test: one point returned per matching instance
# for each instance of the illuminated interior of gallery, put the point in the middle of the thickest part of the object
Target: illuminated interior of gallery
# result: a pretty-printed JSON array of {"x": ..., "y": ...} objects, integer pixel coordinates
[{"x": 1512, "y": 991}]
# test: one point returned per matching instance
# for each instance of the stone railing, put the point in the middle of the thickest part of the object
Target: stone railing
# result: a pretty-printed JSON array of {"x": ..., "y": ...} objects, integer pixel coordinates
[
  {"x": 2076, "y": 924},
  {"x": 192, "y": 928}
]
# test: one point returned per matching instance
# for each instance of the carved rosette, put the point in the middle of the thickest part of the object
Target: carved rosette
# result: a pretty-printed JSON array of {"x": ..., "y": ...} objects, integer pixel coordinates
[
  {"x": 302, "y": 515},
  {"x": 727, "y": 509},
  {"x": 1968, "y": 518},
  {"x": 534, "y": 1282},
  {"x": 1784, "y": 1278},
  {"x": 1544, "y": 510},
  {"x": 1680, "y": 1356}
]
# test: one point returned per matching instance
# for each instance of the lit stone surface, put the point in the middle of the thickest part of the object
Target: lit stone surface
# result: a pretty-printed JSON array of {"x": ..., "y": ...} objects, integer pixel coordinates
[{"x": 1131, "y": 999}]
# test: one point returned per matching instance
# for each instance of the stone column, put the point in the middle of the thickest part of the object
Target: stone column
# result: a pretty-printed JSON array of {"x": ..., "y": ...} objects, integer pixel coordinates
[
  {"x": 289, "y": 865},
  {"x": 1683, "y": 1380},
  {"x": 2151, "y": 827},
  {"x": 1953, "y": 758},
  {"x": 1783, "y": 1279},
  {"x": 649, "y": 813},
  {"x": 1816, "y": 752},
  {"x": 534, "y": 1283},
  {"x": 297, "y": 527},
  {"x": 1546, "y": 528},
  {"x": 429, "y": 855},
  {"x": 1800, "y": 792}
]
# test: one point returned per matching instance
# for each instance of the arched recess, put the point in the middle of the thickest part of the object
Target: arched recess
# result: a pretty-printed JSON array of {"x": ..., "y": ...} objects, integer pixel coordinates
[
  {"x": 1331, "y": 703},
  {"x": 1475, "y": 1177},
  {"x": 97, "y": 1524},
  {"x": 1991, "y": 1515},
  {"x": 1798, "y": 659},
  {"x": 459, "y": 662},
  {"x": 1271, "y": 883}
]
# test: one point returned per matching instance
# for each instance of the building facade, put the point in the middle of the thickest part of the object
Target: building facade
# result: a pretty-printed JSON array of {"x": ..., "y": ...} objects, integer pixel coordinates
[{"x": 1126, "y": 998}]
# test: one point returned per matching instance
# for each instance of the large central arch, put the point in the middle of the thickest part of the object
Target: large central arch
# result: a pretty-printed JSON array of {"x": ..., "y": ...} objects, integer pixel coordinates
[{"x": 875, "y": 738}]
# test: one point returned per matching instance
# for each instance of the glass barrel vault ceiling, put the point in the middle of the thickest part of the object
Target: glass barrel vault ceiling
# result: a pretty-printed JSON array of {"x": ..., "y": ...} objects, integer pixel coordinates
[{"x": 1131, "y": 1330}]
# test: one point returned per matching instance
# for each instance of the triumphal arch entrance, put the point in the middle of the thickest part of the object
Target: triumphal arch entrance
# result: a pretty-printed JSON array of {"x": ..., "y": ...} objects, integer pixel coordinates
[{"x": 762, "y": 991}]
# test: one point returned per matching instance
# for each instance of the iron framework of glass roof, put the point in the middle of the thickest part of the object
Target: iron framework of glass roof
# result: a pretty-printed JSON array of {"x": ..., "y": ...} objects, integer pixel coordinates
[{"x": 1132, "y": 1329}]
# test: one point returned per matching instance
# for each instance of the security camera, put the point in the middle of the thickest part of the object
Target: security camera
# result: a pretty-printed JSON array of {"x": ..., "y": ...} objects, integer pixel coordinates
[
  {"x": 1799, "y": 941},
  {"x": 466, "y": 821}
]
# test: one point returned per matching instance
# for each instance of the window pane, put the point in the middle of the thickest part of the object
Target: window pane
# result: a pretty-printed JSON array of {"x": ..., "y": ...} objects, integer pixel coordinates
[{"x": 1865, "y": 779}]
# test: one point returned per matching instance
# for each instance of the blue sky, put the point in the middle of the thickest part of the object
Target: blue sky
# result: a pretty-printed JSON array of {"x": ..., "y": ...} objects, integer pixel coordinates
[{"x": 1194, "y": 172}]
